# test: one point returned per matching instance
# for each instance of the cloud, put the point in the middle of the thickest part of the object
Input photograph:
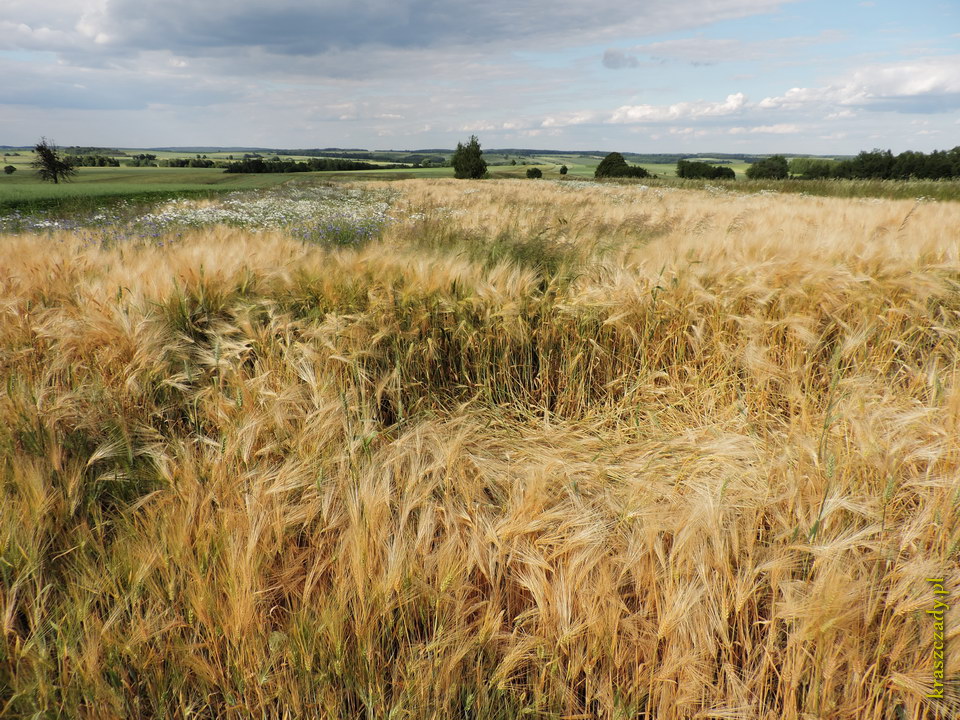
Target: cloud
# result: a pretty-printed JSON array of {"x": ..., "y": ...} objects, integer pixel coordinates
[
  {"x": 304, "y": 73},
  {"x": 679, "y": 111},
  {"x": 927, "y": 85},
  {"x": 699, "y": 50},
  {"x": 688, "y": 131},
  {"x": 778, "y": 129},
  {"x": 696, "y": 50},
  {"x": 615, "y": 60},
  {"x": 796, "y": 98},
  {"x": 46, "y": 86},
  {"x": 309, "y": 27},
  {"x": 569, "y": 119}
]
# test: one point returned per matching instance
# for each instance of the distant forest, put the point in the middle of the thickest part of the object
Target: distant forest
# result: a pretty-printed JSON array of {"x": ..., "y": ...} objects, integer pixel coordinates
[
  {"x": 259, "y": 165},
  {"x": 883, "y": 165},
  {"x": 416, "y": 158}
]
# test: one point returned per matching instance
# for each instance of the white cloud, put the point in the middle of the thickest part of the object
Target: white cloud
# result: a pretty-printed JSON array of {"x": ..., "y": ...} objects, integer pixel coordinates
[
  {"x": 577, "y": 118},
  {"x": 679, "y": 111},
  {"x": 521, "y": 126},
  {"x": 926, "y": 85},
  {"x": 778, "y": 129},
  {"x": 21, "y": 36},
  {"x": 796, "y": 97}
]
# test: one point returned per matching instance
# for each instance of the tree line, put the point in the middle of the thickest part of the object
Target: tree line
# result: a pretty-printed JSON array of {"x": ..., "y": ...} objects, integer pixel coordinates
[
  {"x": 93, "y": 161},
  {"x": 197, "y": 162},
  {"x": 416, "y": 159},
  {"x": 882, "y": 165},
  {"x": 259, "y": 165},
  {"x": 701, "y": 170}
]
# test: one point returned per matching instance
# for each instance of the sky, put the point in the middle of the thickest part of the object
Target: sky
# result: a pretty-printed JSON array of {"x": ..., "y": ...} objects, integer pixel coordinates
[{"x": 759, "y": 76}]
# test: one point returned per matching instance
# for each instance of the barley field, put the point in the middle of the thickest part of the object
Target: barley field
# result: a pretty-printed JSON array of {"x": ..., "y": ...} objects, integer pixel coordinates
[{"x": 533, "y": 449}]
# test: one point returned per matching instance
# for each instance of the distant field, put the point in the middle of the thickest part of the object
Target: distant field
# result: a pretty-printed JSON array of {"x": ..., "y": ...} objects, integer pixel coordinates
[
  {"x": 24, "y": 189},
  {"x": 585, "y": 165},
  {"x": 577, "y": 165},
  {"x": 94, "y": 187},
  {"x": 389, "y": 174}
]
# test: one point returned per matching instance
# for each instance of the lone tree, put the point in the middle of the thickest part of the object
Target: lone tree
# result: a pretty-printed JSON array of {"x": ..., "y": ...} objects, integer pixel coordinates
[
  {"x": 468, "y": 160},
  {"x": 9, "y": 169},
  {"x": 534, "y": 173},
  {"x": 49, "y": 164},
  {"x": 613, "y": 165},
  {"x": 563, "y": 169}
]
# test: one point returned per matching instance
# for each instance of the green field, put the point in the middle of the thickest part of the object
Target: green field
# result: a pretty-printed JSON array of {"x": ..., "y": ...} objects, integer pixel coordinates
[
  {"x": 19, "y": 188},
  {"x": 23, "y": 189},
  {"x": 584, "y": 165},
  {"x": 93, "y": 187}
]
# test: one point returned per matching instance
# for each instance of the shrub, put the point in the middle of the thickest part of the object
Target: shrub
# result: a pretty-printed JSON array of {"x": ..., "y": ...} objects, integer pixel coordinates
[
  {"x": 613, "y": 165},
  {"x": 563, "y": 169},
  {"x": 94, "y": 161},
  {"x": 142, "y": 160},
  {"x": 771, "y": 168},
  {"x": 876, "y": 164},
  {"x": 697, "y": 170},
  {"x": 610, "y": 165},
  {"x": 811, "y": 168},
  {"x": 468, "y": 160},
  {"x": 9, "y": 169},
  {"x": 534, "y": 173}
]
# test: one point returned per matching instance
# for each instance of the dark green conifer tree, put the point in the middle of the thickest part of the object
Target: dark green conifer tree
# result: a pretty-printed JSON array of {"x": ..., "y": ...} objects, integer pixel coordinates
[{"x": 468, "y": 160}]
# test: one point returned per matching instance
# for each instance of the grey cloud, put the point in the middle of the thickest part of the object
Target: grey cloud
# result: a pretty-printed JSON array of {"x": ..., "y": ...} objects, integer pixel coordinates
[
  {"x": 308, "y": 27},
  {"x": 30, "y": 84},
  {"x": 702, "y": 51},
  {"x": 305, "y": 27},
  {"x": 286, "y": 28},
  {"x": 915, "y": 104},
  {"x": 617, "y": 59}
]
